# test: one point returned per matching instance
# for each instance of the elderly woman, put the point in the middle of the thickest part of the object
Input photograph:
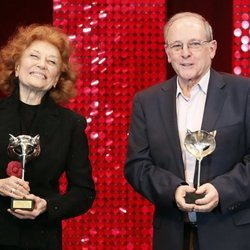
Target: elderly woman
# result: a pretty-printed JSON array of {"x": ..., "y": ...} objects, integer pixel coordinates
[{"x": 36, "y": 76}]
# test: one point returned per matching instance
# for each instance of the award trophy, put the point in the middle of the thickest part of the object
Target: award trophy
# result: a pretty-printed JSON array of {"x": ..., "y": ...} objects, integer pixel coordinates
[
  {"x": 200, "y": 144},
  {"x": 23, "y": 148}
]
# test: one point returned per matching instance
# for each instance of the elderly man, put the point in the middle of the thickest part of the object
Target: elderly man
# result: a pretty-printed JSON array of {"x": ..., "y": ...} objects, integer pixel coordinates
[{"x": 159, "y": 167}]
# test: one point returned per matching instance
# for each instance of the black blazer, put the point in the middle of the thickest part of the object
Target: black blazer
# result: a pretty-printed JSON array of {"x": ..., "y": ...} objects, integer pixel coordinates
[
  {"x": 154, "y": 165},
  {"x": 64, "y": 147}
]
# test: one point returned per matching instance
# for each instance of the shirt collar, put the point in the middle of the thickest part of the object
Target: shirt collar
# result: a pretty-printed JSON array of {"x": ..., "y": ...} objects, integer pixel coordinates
[{"x": 203, "y": 84}]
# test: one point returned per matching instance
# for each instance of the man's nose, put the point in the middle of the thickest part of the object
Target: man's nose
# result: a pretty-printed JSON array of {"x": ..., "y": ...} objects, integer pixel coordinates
[{"x": 185, "y": 50}]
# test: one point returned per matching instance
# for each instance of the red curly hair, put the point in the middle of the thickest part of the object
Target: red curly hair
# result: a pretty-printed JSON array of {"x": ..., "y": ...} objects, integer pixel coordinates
[{"x": 16, "y": 45}]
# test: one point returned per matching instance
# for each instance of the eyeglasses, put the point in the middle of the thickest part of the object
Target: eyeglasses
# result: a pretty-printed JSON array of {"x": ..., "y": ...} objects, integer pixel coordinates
[{"x": 192, "y": 45}]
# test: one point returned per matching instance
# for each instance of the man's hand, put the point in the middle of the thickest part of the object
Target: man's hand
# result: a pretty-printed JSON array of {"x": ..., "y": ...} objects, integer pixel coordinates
[
  {"x": 210, "y": 201},
  {"x": 180, "y": 194}
]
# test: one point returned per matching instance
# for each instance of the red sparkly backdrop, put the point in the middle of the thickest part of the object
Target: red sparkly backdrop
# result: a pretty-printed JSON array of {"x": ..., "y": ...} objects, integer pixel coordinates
[
  {"x": 119, "y": 45},
  {"x": 241, "y": 37}
]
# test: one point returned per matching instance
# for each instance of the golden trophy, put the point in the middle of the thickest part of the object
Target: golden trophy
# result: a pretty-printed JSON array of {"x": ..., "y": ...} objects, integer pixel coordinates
[
  {"x": 199, "y": 144},
  {"x": 23, "y": 148}
]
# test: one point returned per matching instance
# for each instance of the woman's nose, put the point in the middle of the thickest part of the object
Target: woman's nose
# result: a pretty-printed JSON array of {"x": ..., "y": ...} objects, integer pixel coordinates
[{"x": 42, "y": 63}]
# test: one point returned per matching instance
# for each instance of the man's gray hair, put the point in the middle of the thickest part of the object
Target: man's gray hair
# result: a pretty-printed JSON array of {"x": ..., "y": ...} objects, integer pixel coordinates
[{"x": 207, "y": 26}]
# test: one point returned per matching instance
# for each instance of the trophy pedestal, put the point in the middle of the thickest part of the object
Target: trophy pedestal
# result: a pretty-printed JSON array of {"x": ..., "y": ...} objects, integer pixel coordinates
[
  {"x": 24, "y": 204},
  {"x": 190, "y": 198}
]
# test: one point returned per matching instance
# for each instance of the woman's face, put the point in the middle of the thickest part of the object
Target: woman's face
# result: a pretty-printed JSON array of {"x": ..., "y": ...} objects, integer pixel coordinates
[{"x": 39, "y": 67}]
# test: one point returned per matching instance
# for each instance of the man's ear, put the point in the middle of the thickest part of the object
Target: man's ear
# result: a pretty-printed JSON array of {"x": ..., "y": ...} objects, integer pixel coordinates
[
  {"x": 213, "y": 48},
  {"x": 166, "y": 51}
]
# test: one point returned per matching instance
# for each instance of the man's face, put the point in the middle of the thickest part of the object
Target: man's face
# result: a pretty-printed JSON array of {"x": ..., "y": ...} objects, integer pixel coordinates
[{"x": 188, "y": 50}]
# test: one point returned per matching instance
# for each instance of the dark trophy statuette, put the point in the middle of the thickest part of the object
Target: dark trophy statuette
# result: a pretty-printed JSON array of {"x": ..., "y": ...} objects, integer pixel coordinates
[
  {"x": 23, "y": 148},
  {"x": 200, "y": 144}
]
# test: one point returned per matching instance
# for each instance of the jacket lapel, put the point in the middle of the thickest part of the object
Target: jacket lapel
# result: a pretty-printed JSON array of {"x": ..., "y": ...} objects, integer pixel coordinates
[
  {"x": 215, "y": 100},
  {"x": 167, "y": 104},
  {"x": 214, "y": 103},
  {"x": 9, "y": 115}
]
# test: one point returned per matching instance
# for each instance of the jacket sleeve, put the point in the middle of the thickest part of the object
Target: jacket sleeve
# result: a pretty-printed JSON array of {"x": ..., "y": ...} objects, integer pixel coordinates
[
  {"x": 80, "y": 192},
  {"x": 234, "y": 186},
  {"x": 153, "y": 182}
]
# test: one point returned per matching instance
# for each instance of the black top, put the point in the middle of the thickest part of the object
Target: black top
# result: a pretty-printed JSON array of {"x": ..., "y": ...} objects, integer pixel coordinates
[{"x": 28, "y": 115}]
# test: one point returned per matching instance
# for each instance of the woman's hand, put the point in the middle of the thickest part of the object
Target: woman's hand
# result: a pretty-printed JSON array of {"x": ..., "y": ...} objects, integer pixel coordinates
[
  {"x": 14, "y": 187},
  {"x": 39, "y": 208}
]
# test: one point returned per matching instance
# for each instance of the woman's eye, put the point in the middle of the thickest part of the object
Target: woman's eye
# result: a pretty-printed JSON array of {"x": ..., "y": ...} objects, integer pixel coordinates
[
  {"x": 52, "y": 62},
  {"x": 33, "y": 55}
]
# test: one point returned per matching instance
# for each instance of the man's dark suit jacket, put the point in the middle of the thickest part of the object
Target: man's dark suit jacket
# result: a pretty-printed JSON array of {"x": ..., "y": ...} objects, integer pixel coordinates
[
  {"x": 154, "y": 165},
  {"x": 64, "y": 147}
]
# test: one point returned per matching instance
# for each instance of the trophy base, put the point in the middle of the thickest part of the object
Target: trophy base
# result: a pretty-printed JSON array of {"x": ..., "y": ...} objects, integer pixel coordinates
[
  {"x": 24, "y": 204},
  {"x": 190, "y": 198}
]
